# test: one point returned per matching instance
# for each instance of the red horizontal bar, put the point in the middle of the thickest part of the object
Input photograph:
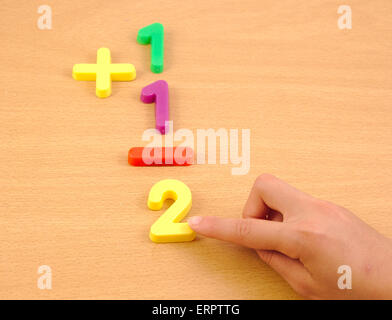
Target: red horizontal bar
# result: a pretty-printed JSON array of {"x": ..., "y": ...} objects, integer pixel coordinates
[{"x": 160, "y": 156}]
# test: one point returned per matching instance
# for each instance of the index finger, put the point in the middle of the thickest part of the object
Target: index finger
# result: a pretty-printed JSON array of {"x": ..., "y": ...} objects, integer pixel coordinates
[{"x": 251, "y": 233}]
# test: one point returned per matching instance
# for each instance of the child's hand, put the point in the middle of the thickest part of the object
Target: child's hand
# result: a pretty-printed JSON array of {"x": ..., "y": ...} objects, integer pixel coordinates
[{"x": 306, "y": 240}]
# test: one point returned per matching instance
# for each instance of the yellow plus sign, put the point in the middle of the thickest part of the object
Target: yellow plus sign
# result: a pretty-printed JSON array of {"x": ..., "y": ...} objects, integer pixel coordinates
[{"x": 104, "y": 72}]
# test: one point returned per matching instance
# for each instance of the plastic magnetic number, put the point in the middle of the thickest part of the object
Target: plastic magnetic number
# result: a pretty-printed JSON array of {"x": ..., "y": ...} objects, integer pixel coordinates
[
  {"x": 168, "y": 227},
  {"x": 158, "y": 92},
  {"x": 154, "y": 34}
]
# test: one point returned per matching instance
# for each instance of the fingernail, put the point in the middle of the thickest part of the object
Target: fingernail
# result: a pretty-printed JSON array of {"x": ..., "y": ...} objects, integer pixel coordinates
[{"x": 194, "y": 221}]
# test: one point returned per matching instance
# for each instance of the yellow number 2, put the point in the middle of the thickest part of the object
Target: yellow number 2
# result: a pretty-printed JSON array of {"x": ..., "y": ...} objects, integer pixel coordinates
[{"x": 168, "y": 227}]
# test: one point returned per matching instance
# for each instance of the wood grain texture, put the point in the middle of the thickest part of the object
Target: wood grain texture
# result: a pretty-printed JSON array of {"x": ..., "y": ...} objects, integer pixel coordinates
[{"x": 317, "y": 100}]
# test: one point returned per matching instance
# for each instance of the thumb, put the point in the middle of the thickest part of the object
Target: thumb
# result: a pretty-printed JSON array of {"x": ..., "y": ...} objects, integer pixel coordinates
[{"x": 253, "y": 233}]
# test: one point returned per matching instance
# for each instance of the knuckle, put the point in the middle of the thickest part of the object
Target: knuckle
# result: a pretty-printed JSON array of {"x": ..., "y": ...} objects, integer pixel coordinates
[
  {"x": 264, "y": 178},
  {"x": 310, "y": 232},
  {"x": 267, "y": 257},
  {"x": 330, "y": 210},
  {"x": 243, "y": 228},
  {"x": 324, "y": 205}
]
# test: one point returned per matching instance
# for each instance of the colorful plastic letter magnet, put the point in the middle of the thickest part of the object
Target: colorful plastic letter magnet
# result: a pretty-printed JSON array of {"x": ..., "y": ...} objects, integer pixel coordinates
[
  {"x": 154, "y": 35},
  {"x": 158, "y": 92},
  {"x": 158, "y": 156},
  {"x": 168, "y": 227},
  {"x": 104, "y": 72}
]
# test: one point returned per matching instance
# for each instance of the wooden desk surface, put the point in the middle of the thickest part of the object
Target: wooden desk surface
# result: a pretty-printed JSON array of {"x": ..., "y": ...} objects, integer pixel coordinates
[{"x": 316, "y": 98}]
